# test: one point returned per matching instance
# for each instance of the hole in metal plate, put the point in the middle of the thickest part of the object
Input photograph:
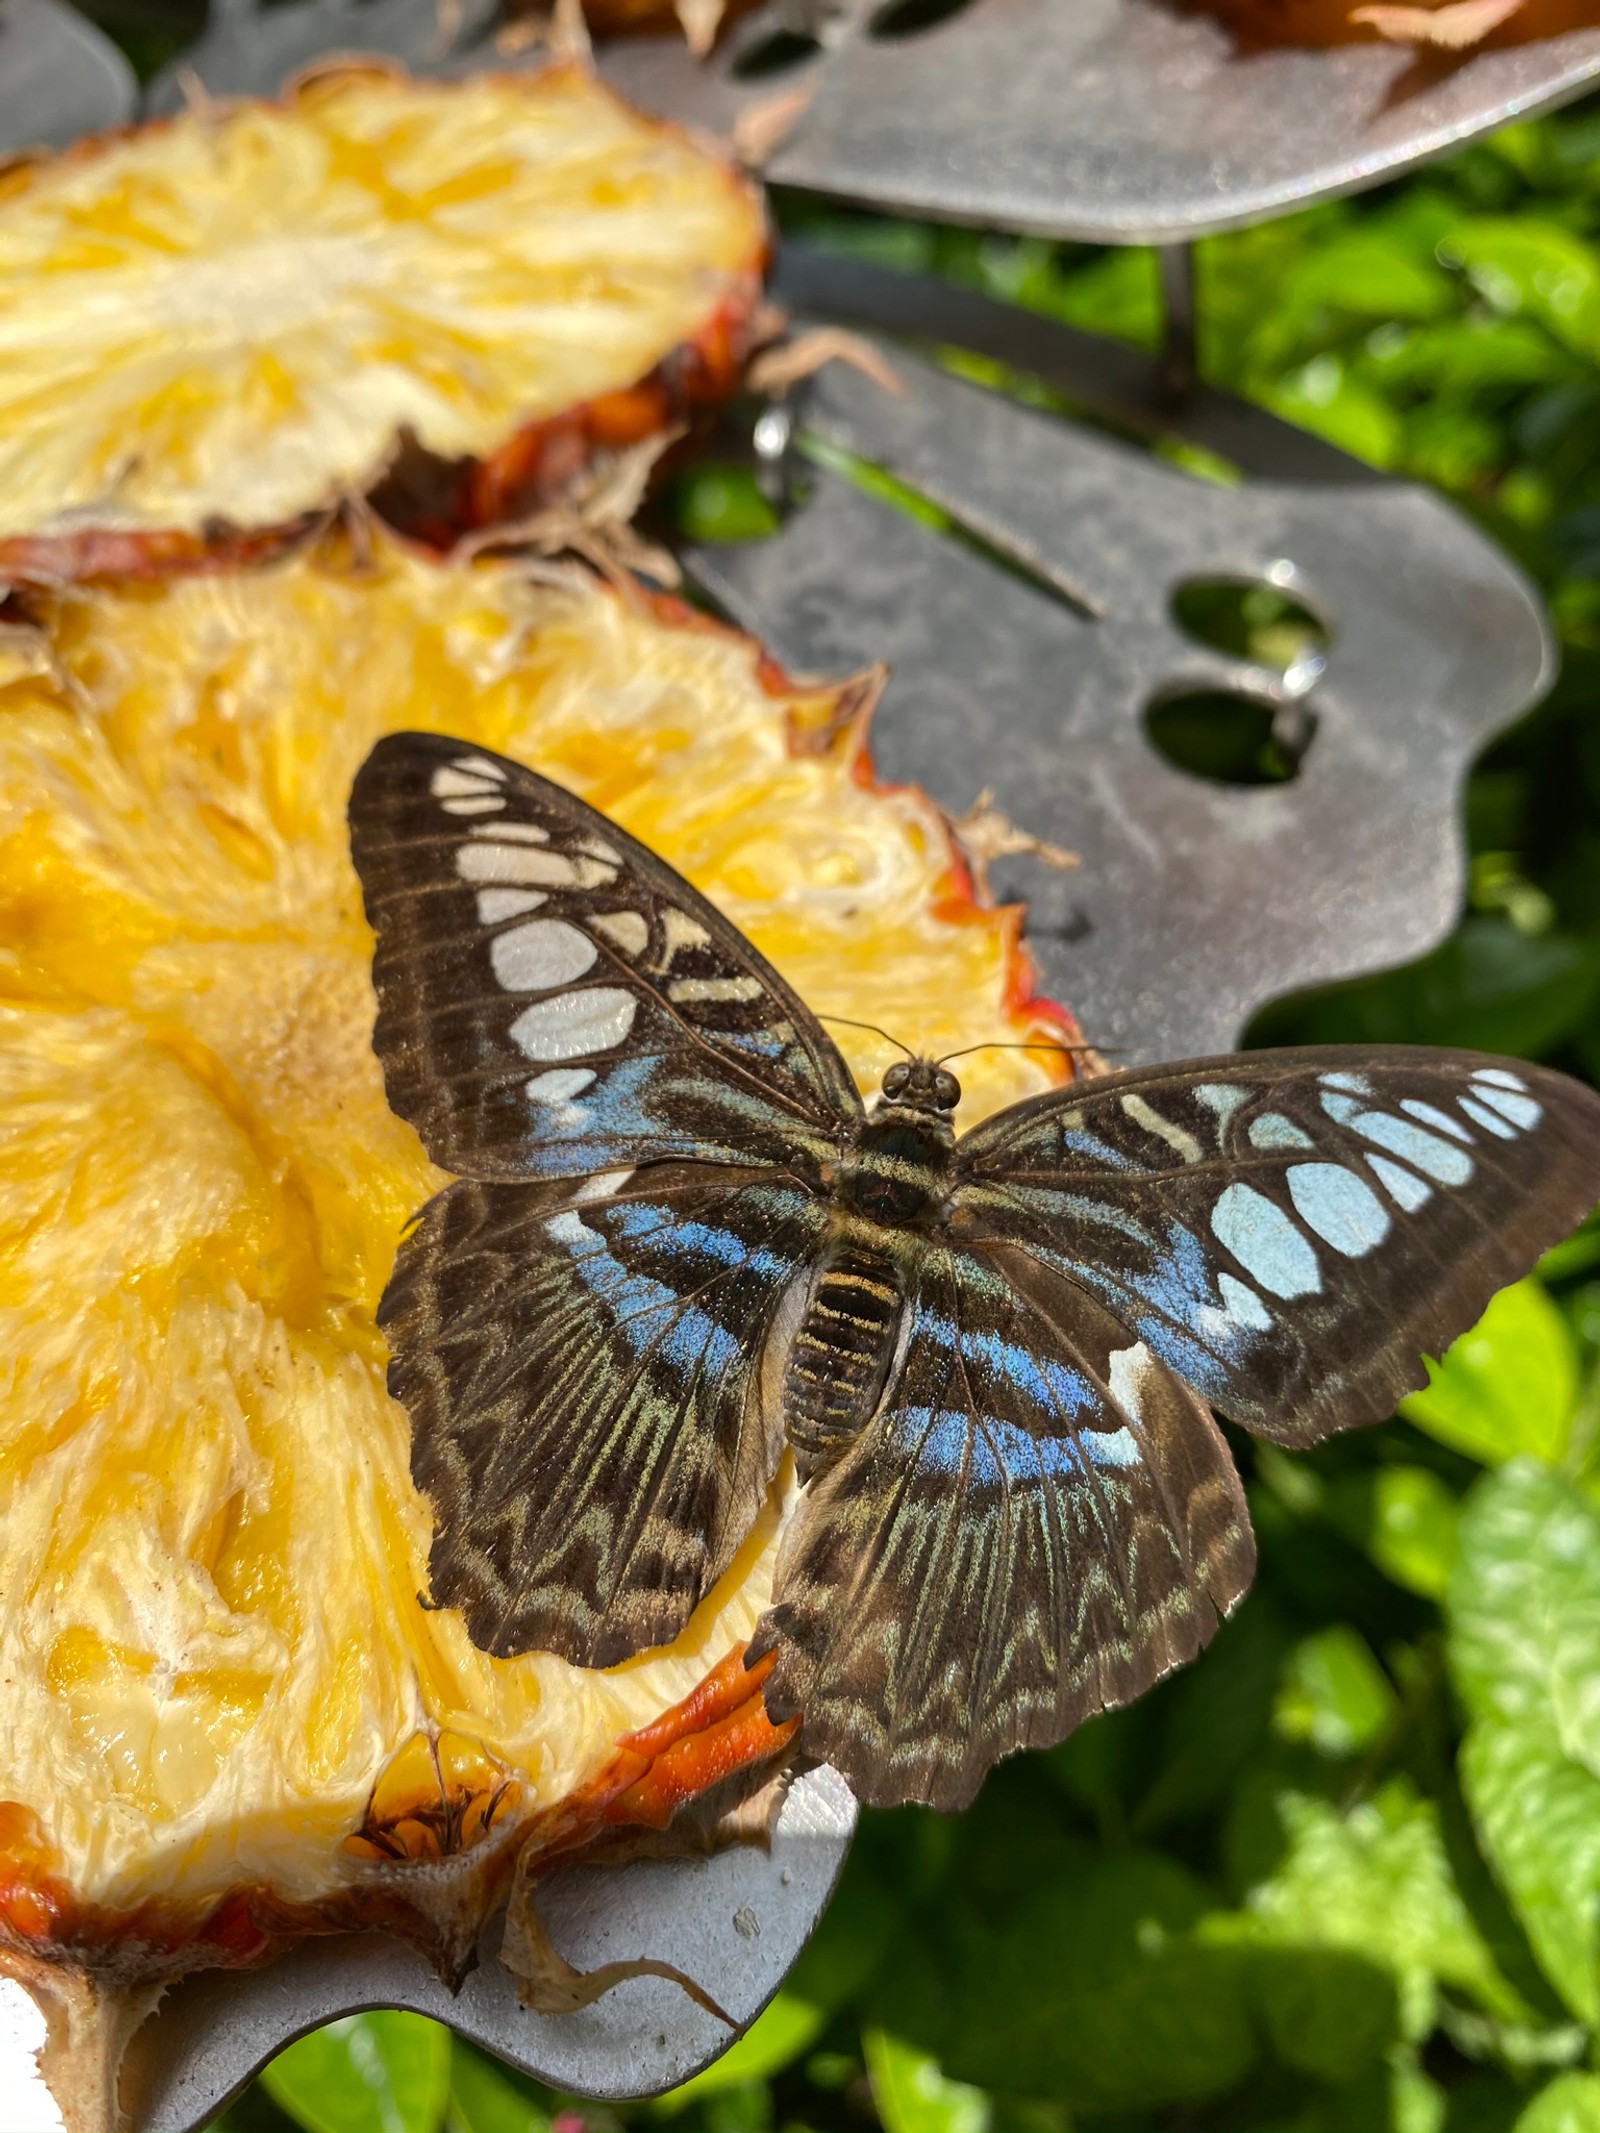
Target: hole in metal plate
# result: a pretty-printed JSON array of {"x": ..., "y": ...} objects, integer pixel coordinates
[
  {"x": 911, "y": 18},
  {"x": 1257, "y": 621},
  {"x": 1230, "y": 737},
  {"x": 780, "y": 51}
]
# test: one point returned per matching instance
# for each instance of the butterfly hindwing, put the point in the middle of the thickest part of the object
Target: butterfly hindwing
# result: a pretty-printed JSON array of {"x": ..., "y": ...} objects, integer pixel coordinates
[
  {"x": 1290, "y": 1231},
  {"x": 591, "y": 1414},
  {"x": 553, "y": 1000},
  {"x": 1039, "y": 1522}
]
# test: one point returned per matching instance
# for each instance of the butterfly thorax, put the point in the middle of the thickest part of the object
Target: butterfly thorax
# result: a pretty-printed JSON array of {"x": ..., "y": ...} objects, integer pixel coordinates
[{"x": 891, "y": 1188}]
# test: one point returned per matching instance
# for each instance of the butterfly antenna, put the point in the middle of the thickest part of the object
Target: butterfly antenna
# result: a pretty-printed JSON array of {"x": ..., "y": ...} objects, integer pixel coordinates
[
  {"x": 849, "y": 1023},
  {"x": 1070, "y": 1050}
]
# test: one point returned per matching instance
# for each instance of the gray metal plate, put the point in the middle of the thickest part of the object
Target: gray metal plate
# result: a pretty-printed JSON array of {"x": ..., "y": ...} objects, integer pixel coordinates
[
  {"x": 1117, "y": 121},
  {"x": 1123, "y": 120},
  {"x": 251, "y": 51},
  {"x": 1196, "y": 902},
  {"x": 59, "y": 77},
  {"x": 734, "y": 1923}
]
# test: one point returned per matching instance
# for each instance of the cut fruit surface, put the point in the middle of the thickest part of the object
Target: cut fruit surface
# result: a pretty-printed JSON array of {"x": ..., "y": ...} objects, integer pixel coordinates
[
  {"x": 222, "y": 323},
  {"x": 221, "y": 1675}
]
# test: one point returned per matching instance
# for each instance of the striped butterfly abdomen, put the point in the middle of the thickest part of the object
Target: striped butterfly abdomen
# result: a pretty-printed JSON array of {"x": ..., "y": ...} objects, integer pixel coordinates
[{"x": 839, "y": 1362}]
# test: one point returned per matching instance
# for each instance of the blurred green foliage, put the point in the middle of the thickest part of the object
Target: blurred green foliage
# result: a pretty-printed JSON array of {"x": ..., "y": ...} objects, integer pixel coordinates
[{"x": 1344, "y": 1872}]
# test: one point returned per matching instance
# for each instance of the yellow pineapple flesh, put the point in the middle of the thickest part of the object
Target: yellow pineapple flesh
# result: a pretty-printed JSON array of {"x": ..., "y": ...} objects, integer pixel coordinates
[
  {"x": 224, "y": 322},
  {"x": 221, "y": 1674}
]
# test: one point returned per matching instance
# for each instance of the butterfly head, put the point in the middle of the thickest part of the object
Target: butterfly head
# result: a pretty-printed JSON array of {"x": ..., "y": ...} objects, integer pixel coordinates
[{"x": 921, "y": 1085}]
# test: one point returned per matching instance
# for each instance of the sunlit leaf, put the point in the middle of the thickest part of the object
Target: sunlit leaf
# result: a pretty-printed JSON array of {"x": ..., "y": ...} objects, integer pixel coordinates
[
  {"x": 785, "y": 2028},
  {"x": 1569, "y": 2104},
  {"x": 1524, "y": 1608},
  {"x": 1508, "y": 1386},
  {"x": 1375, "y": 1881},
  {"x": 912, "y": 2093},
  {"x": 1334, "y": 1694},
  {"x": 1405, "y": 1517},
  {"x": 485, "y": 2098},
  {"x": 365, "y": 2073}
]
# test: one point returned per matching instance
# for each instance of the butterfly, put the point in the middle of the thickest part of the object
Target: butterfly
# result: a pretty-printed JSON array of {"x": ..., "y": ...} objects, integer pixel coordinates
[{"x": 678, "y": 1242}]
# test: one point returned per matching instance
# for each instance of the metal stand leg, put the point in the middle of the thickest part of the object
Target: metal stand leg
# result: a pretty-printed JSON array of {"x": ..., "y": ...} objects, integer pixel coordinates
[{"x": 1180, "y": 372}]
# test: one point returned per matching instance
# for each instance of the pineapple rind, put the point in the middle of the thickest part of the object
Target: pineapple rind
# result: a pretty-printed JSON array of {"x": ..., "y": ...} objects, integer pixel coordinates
[
  {"x": 210, "y": 1545},
  {"x": 229, "y": 319}
]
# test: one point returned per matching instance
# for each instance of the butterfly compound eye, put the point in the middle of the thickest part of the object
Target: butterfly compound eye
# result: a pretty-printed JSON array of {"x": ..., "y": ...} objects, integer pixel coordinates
[
  {"x": 946, "y": 1090},
  {"x": 894, "y": 1081}
]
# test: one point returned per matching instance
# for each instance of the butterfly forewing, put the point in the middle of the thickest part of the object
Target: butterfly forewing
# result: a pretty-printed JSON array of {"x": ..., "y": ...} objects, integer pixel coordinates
[
  {"x": 553, "y": 1000},
  {"x": 591, "y": 1416},
  {"x": 1290, "y": 1231},
  {"x": 1039, "y": 1522}
]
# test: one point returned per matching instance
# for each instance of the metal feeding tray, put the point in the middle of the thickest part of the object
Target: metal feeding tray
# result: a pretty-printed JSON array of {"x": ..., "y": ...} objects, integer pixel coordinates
[
  {"x": 59, "y": 77},
  {"x": 1036, "y": 642},
  {"x": 1125, "y": 121}
]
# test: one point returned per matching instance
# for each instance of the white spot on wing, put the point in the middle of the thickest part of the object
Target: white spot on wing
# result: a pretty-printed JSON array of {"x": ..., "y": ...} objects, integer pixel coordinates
[
  {"x": 1127, "y": 1372},
  {"x": 1404, "y": 1187},
  {"x": 518, "y": 832},
  {"x": 544, "y": 953},
  {"x": 457, "y": 784},
  {"x": 1431, "y": 1116},
  {"x": 1223, "y": 1097},
  {"x": 574, "y": 1024},
  {"x": 1265, "y": 1242},
  {"x": 1424, "y": 1151},
  {"x": 602, "y": 1185},
  {"x": 597, "y": 848},
  {"x": 1110, "y": 1447},
  {"x": 702, "y": 992},
  {"x": 1182, "y": 1143},
  {"x": 490, "y": 804},
  {"x": 479, "y": 766},
  {"x": 497, "y": 905},
  {"x": 519, "y": 863},
  {"x": 1481, "y": 1115},
  {"x": 627, "y": 930},
  {"x": 679, "y": 930},
  {"x": 1521, "y": 1111},
  {"x": 1355, "y": 1084},
  {"x": 1501, "y": 1077},
  {"x": 559, "y": 1085},
  {"x": 1244, "y": 1305},
  {"x": 1273, "y": 1130},
  {"x": 1342, "y": 1208}
]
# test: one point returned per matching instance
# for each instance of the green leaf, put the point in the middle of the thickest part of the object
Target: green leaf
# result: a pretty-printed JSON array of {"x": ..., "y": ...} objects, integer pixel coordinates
[
  {"x": 912, "y": 2093},
  {"x": 1334, "y": 1694},
  {"x": 485, "y": 2098},
  {"x": 785, "y": 2028},
  {"x": 365, "y": 2073},
  {"x": 1376, "y": 1882},
  {"x": 1537, "y": 268},
  {"x": 1569, "y": 2104},
  {"x": 1509, "y": 1386},
  {"x": 1405, "y": 1517},
  {"x": 1098, "y": 1991},
  {"x": 1524, "y": 1608},
  {"x": 1488, "y": 987}
]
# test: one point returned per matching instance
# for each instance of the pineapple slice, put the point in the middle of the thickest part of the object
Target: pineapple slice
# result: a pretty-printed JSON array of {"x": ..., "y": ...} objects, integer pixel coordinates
[
  {"x": 221, "y": 324},
  {"x": 230, "y": 1718}
]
